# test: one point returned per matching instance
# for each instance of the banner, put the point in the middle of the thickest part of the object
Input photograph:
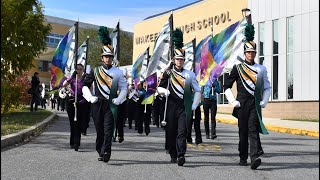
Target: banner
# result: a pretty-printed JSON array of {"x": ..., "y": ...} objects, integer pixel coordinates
[
  {"x": 160, "y": 58},
  {"x": 217, "y": 55},
  {"x": 137, "y": 67},
  {"x": 115, "y": 37},
  {"x": 63, "y": 55}
]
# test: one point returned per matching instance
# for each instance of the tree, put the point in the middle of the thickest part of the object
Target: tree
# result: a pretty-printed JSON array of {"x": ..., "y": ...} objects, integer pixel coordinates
[
  {"x": 23, "y": 34},
  {"x": 126, "y": 44}
]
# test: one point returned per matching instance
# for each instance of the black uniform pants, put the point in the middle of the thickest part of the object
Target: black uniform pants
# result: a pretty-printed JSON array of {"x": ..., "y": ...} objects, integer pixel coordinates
[
  {"x": 85, "y": 122},
  {"x": 212, "y": 106},
  {"x": 158, "y": 110},
  {"x": 176, "y": 128},
  {"x": 75, "y": 126},
  {"x": 122, "y": 113},
  {"x": 196, "y": 122},
  {"x": 131, "y": 111},
  {"x": 248, "y": 123},
  {"x": 143, "y": 117},
  {"x": 104, "y": 122}
]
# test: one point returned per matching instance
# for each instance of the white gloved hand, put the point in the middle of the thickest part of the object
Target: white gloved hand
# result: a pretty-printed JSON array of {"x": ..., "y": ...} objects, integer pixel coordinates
[
  {"x": 263, "y": 104},
  {"x": 235, "y": 104},
  {"x": 93, "y": 99},
  {"x": 86, "y": 93},
  {"x": 163, "y": 92},
  {"x": 231, "y": 98},
  {"x": 194, "y": 107},
  {"x": 196, "y": 100},
  {"x": 116, "y": 101}
]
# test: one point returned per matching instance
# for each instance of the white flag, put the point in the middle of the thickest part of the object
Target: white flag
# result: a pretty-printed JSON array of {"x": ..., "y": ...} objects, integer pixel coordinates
[
  {"x": 160, "y": 58},
  {"x": 189, "y": 58},
  {"x": 82, "y": 53},
  {"x": 114, "y": 37}
]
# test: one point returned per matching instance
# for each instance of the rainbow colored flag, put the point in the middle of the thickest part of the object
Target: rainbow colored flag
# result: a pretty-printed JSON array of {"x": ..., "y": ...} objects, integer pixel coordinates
[
  {"x": 217, "y": 55},
  {"x": 139, "y": 67},
  {"x": 151, "y": 89},
  {"x": 62, "y": 55}
]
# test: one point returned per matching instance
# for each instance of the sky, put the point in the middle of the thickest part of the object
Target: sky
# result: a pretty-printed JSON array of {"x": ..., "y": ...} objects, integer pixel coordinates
[{"x": 107, "y": 12}]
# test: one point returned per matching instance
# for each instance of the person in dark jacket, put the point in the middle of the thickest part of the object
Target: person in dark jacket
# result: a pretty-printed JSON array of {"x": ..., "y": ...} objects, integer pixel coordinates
[{"x": 35, "y": 92}]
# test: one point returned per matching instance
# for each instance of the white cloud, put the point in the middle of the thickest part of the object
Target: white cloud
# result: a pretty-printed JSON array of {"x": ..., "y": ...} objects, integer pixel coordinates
[{"x": 128, "y": 17}]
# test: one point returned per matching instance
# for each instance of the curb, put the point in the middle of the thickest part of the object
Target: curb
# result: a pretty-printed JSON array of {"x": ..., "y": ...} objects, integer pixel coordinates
[
  {"x": 275, "y": 128},
  {"x": 20, "y": 136}
]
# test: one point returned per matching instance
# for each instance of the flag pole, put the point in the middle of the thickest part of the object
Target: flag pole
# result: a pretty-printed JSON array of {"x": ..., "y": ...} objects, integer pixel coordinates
[
  {"x": 75, "y": 67},
  {"x": 85, "y": 61},
  {"x": 118, "y": 43}
]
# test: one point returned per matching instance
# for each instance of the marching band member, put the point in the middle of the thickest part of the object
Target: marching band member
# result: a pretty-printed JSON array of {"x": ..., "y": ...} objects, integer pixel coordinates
[
  {"x": 82, "y": 106},
  {"x": 252, "y": 81},
  {"x": 177, "y": 85},
  {"x": 106, "y": 81}
]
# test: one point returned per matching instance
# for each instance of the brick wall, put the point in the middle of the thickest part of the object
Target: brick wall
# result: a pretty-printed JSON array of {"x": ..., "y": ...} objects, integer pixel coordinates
[{"x": 285, "y": 110}]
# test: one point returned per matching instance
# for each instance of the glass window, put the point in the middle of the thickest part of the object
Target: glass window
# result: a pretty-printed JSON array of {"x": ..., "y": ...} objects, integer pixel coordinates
[
  {"x": 290, "y": 57},
  {"x": 275, "y": 77},
  {"x": 275, "y": 70},
  {"x": 261, "y": 39},
  {"x": 275, "y": 37},
  {"x": 261, "y": 42}
]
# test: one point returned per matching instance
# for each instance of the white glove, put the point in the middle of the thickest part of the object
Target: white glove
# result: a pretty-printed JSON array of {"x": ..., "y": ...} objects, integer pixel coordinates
[
  {"x": 265, "y": 98},
  {"x": 121, "y": 98},
  {"x": 116, "y": 101},
  {"x": 163, "y": 92},
  {"x": 235, "y": 104},
  {"x": 196, "y": 100},
  {"x": 93, "y": 99},
  {"x": 194, "y": 107},
  {"x": 231, "y": 98},
  {"x": 86, "y": 93},
  {"x": 263, "y": 104}
]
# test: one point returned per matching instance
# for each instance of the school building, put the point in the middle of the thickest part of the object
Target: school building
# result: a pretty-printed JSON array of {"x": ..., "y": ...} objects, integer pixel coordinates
[{"x": 287, "y": 36}]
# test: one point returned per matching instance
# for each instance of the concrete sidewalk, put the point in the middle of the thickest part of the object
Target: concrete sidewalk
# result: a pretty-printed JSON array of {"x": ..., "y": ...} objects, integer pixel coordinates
[{"x": 279, "y": 125}]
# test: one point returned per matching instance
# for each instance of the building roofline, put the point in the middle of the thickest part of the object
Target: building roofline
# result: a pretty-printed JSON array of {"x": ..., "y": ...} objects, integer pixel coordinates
[
  {"x": 190, "y": 4},
  {"x": 68, "y": 22}
]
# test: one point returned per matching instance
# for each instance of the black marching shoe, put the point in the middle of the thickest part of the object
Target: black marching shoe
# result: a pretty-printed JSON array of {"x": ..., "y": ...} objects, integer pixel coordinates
[
  {"x": 76, "y": 147},
  {"x": 181, "y": 161},
  {"x": 121, "y": 139},
  {"x": 260, "y": 153},
  {"x": 189, "y": 140},
  {"x": 106, "y": 157},
  {"x": 100, "y": 158},
  {"x": 173, "y": 160},
  {"x": 255, "y": 163},
  {"x": 207, "y": 136},
  {"x": 198, "y": 141},
  {"x": 213, "y": 137},
  {"x": 147, "y": 132},
  {"x": 243, "y": 163}
]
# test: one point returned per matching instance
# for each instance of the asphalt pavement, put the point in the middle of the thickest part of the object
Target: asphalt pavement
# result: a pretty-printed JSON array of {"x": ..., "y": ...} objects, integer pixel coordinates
[{"x": 49, "y": 156}]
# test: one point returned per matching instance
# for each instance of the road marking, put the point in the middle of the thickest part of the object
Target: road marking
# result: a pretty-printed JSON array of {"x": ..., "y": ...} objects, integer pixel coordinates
[{"x": 204, "y": 147}]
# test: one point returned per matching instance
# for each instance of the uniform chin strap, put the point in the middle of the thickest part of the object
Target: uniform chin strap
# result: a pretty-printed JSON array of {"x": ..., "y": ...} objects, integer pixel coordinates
[{"x": 196, "y": 100}]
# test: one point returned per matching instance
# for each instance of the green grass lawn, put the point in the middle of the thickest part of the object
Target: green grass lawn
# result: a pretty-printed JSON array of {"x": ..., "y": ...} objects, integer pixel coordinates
[{"x": 21, "y": 119}]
